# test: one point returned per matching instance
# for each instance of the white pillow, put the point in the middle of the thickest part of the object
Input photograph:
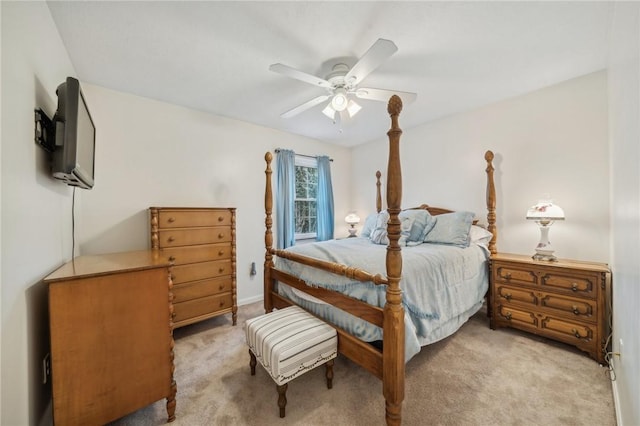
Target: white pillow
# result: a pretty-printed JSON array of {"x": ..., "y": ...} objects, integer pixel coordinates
[{"x": 479, "y": 235}]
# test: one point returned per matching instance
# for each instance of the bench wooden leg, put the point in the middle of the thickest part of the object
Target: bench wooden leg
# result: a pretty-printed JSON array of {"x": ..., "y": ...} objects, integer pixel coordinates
[
  {"x": 329, "y": 373},
  {"x": 252, "y": 363},
  {"x": 282, "y": 398}
]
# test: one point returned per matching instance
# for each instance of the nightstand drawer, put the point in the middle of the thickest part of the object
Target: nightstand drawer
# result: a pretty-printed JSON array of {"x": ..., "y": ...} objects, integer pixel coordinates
[
  {"x": 509, "y": 273},
  {"x": 510, "y": 294},
  {"x": 571, "y": 282},
  {"x": 567, "y": 331},
  {"x": 579, "y": 309},
  {"x": 516, "y": 316}
]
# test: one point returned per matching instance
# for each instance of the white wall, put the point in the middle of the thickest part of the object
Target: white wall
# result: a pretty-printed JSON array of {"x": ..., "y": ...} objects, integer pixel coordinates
[
  {"x": 624, "y": 110},
  {"x": 150, "y": 153},
  {"x": 551, "y": 141},
  {"x": 36, "y": 225}
]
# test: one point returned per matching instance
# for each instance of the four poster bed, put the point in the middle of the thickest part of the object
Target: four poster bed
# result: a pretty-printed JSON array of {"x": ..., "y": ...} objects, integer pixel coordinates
[{"x": 354, "y": 284}]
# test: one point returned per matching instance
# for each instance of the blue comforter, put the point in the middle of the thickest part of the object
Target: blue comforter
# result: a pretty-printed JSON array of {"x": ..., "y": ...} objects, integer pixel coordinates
[{"x": 442, "y": 286}]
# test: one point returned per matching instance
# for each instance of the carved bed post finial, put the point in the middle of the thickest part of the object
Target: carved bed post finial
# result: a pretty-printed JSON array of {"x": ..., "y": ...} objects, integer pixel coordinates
[
  {"x": 378, "y": 193},
  {"x": 393, "y": 325},
  {"x": 268, "y": 235},
  {"x": 491, "y": 202}
]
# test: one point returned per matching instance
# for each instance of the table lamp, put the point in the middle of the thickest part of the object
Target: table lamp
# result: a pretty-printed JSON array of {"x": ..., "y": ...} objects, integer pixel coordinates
[
  {"x": 545, "y": 213},
  {"x": 352, "y": 219}
]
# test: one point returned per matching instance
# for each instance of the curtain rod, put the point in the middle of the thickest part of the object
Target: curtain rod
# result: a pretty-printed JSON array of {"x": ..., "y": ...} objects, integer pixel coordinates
[{"x": 302, "y": 155}]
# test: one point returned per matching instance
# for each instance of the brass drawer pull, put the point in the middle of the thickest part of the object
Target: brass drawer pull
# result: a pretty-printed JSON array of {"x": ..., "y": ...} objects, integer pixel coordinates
[
  {"x": 221, "y": 270},
  {"x": 171, "y": 239},
  {"x": 221, "y": 287},
  {"x": 575, "y": 333},
  {"x": 507, "y": 276},
  {"x": 172, "y": 219},
  {"x": 575, "y": 310},
  {"x": 221, "y": 252},
  {"x": 172, "y": 258},
  {"x": 508, "y": 316},
  {"x": 574, "y": 287},
  {"x": 221, "y": 235},
  {"x": 220, "y": 218},
  {"x": 507, "y": 296},
  {"x": 222, "y": 303}
]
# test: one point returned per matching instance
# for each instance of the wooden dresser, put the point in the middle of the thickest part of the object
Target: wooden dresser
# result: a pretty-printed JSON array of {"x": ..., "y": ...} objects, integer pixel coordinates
[
  {"x": 566, "y": 300},
  {"x": 201, "y": 244},
  {"x": 111, "y": 337}
]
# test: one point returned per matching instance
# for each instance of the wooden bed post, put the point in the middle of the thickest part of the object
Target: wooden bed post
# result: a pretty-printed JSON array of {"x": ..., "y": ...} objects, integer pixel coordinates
[
  {"x": 491, "y": 203},
  {"x": 393, "y": 326},
  {"x": 378, "y": 193},
  {"x": 268, "y": 235}
]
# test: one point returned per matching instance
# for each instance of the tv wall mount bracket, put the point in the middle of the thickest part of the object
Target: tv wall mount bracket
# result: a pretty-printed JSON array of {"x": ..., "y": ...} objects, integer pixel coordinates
[{"x": 44, "y": 131}]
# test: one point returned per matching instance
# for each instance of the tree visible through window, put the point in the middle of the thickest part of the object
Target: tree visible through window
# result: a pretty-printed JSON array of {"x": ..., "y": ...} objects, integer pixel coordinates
[{"x": 306, "y": 194}]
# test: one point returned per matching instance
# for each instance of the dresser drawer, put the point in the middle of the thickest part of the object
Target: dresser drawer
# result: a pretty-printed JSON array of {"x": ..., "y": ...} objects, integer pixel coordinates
[
  {"x": 574, "y": 308},
  {"x": 197, "y": 289},
  {"x": 194, "y": 254},
  {"x": 203, "y": 306},
  {"x": 511, "y": 273},
  {"x": 200, "y": 271},
  {"x": 517, "y": 316},
  {"x": 571, "y": 282},
  {"x": 193, "y": 218},
  {"x": 195, "y": 236},
  {"x": 571, "y": 332},
  {"x": 510, "y": 294}
]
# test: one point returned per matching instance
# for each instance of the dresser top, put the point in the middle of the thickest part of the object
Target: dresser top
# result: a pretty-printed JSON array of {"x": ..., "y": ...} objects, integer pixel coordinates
[
  {"x": 102, "y": 264},
  {"x": 560, "y": 263}
]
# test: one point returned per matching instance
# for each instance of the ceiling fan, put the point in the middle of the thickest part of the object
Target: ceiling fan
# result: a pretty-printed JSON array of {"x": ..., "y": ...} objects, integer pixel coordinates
[{"x": 342, "y": 83}]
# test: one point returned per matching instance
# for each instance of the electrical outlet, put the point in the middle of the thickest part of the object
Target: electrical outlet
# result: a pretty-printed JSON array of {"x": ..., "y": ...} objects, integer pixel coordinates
[{"x": 46, "y": 368}]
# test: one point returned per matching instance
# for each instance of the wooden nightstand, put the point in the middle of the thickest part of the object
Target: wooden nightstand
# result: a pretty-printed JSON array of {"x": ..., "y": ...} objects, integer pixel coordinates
[{"x": 566, "y": 300}]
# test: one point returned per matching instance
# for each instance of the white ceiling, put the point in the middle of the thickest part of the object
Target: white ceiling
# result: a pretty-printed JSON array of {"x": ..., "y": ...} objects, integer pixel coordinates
[{"x": 214, "y": 56}]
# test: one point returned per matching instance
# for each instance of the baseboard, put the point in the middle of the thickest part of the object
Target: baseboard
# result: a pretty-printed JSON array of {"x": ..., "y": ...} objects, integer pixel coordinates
[
  {"x": 616, "y": 402},
  {"x": 249, "y": 300}
]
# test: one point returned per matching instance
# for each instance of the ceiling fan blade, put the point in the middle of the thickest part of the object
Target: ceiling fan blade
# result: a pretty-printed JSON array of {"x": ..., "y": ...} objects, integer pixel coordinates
[
  {"x": 383, "y": 95},
  {"x": 379, "y": 52},
  {"x": 299, "y": 75},
  {"x": 305, "y": 106}
]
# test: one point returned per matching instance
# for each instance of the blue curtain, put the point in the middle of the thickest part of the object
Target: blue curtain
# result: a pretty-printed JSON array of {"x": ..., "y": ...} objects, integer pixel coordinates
[
  {"x": 324, "y": 200},
  {"x": 285, "y": 198}
]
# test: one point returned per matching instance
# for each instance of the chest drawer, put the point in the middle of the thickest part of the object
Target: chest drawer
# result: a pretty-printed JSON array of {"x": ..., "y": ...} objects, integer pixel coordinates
[
  {"x": 190, "y": 310},
  {"x": 510, "y": 273},
  {"x": 197, "y": 289},
  {"x": 194, "y": 254},
  {"x": 193, "y": 218},
  {"x": 200, "y": 271},
  {"x": 195, "y": 236}
]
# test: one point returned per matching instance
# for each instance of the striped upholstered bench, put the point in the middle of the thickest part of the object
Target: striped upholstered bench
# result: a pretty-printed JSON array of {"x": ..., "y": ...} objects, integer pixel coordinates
[{"x": 288, "y": 343}]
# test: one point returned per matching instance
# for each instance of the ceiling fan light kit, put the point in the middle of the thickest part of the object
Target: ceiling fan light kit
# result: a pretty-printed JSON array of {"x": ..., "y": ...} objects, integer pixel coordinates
[{"x": 343, "y": 81}]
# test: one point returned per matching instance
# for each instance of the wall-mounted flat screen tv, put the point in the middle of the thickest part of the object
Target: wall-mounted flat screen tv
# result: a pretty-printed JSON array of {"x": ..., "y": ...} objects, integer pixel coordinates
[{"x": 75, "y": 137}]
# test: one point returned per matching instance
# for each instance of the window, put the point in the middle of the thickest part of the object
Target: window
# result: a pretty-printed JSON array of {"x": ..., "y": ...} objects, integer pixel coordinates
[{"x": 306, "y": 194}]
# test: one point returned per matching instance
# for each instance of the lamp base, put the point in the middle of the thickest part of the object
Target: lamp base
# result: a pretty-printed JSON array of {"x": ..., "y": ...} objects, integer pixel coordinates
[
  {"x": 352, "y": 233},
  {"x": 547, "y": 257}
]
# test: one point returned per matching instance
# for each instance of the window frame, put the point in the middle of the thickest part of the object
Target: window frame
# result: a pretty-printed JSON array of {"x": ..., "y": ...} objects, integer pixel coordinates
[{"x": 308, "y": 162}]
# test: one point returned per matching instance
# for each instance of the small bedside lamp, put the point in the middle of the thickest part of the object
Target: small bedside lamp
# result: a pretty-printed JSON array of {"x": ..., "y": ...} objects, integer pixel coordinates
[
  {"x": 352, "y": 219},
  {"x": 545, "y": 213}
]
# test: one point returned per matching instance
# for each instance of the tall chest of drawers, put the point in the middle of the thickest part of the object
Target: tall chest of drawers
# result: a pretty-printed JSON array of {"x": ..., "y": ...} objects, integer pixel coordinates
[
  {"x": 201, "y": 244},
  {"x": 564, "y": 300}
]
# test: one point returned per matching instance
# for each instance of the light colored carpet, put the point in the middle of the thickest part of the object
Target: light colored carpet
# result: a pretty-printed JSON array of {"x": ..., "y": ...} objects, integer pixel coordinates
[{"x": 478, "y": 376}]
